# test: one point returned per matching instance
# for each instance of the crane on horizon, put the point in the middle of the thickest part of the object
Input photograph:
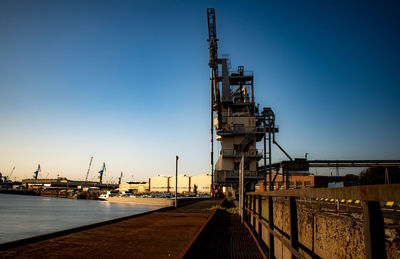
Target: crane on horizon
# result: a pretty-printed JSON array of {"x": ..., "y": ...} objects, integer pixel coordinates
[
  {"x": 36, "y": 173},
  {"x": 101, "y": 172},
  {"x": 90, "y": 164},
  {"x": 12, "y": 171},
  {"x": 9, "y": 176},
  {"x": 120, "y": 178}
]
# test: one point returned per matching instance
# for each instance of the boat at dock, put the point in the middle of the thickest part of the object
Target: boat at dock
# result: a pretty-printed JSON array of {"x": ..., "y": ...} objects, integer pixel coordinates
[{"x": 105, "y": 196}]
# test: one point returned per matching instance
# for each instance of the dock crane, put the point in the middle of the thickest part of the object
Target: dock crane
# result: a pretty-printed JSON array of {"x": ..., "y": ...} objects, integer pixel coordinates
[
  {"x": 36, "y": 173},
  {"x": 5, "y": 178},
  {"x": 213, "y": 64},
  {"x": 101, "y": 172},
  {"x": 90, "y": 164},
  {"x": 12, "y": 171},
  {"x": 215, "y": 95},
  {"x": 120, "y": 178}
]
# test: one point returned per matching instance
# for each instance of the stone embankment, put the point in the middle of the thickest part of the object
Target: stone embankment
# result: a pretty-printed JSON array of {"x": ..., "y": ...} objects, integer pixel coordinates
[{"x": 332, "y": 235}]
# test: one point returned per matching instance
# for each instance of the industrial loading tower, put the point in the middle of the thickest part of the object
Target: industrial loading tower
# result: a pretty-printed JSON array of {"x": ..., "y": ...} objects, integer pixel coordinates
[{"x": 239, "y": 124}]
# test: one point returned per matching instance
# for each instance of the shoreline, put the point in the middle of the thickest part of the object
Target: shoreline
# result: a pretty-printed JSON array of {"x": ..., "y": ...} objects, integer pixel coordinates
[
  {"x": 172, "y": 230},
  {"x": 152, "y": 201},
  {"x": 43, "y": 237},
  {"x": 146, "y": 201}
]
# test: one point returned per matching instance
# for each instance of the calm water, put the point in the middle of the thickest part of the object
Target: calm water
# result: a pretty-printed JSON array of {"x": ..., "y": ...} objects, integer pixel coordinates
[{"x": 24, "y": 216}]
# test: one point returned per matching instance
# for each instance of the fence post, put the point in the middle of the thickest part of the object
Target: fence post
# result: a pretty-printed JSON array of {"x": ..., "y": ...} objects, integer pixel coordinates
[
  {"x": 254, "y": 211},
  {"x": 251, "y": 209},
  {"x": 246, "y": 197},
  {"x": 294, "y": 238},
  {"x": 374, "y": 232},
  {"x": 259, "y": 219},
  {"x": 271, "y": 225}
]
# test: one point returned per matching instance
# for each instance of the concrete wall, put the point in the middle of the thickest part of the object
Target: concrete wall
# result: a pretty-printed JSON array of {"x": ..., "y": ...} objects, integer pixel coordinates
[
  {"x": 247, "y": 121},
  {"x": 325, "y": 233}
]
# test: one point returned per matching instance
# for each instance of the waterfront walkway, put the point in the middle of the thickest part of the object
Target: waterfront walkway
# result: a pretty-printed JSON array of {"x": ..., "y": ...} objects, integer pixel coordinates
[
  {"x": 168, "y": 234},
  {"x": 225, "y": 237}
]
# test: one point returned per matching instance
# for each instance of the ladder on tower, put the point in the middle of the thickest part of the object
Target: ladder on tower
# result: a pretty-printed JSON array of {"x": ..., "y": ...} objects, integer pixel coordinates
[{"x": 248, "y": 139}]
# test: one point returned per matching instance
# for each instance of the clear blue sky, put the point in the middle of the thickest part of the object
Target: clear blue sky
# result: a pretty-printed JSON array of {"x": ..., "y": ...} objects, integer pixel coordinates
[{"x": 128, "y": 81}]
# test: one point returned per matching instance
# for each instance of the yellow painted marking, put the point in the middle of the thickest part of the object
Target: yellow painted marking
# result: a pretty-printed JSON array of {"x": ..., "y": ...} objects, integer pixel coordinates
[
  {"x": 326, "y": 199},
  {"x": 343, "y": 201},
  {"x": 390, "y": 203},
  {"x": 357, "y": 202},
  {"x": 349, "y": 201},
  {"x": 332, "y": 200}
]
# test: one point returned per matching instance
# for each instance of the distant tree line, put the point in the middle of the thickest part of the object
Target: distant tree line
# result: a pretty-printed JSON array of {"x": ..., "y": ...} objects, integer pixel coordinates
[{"x": 373, "y": 175}]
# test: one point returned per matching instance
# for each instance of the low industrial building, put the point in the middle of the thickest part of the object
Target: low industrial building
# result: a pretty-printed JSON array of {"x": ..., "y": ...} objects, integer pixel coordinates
[
  {"x": 183, "y": 183},
  {"x": 159, "y": 183},
  {"x": 186, "y": 183},
  {"x": 134, "y": 187},
  {"x": 203, "y": 183}
]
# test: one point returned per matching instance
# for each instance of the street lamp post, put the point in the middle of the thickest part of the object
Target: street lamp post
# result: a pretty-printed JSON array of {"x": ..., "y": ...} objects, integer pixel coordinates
[{"x": 176, "y": 181}]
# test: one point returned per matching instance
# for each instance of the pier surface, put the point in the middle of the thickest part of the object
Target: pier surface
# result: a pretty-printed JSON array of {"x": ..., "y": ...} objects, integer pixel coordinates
[
  {"x": 168, "y": 234},
  {"x": 156, "y": 235}
]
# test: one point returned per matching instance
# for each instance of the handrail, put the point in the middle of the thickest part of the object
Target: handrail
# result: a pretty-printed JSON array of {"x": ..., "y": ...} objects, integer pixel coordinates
[
  {"x": 234, "y": 152},
  {"x": 242, "y": 129},
  {"x": 230, "y": 173},
  {"x": 370, "y": 195},
  {"x": 381, "y": 192}
]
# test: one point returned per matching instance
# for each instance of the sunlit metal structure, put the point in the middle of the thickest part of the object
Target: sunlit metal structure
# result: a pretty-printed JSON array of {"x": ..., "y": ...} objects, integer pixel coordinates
[{"x": 238, "y": 122}]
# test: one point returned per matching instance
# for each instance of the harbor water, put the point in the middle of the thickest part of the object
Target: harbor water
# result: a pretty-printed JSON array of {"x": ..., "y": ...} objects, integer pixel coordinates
[{"x": 23, "y": 216}]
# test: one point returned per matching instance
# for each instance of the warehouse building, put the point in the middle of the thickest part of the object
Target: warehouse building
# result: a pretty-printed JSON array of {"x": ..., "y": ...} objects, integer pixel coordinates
[{"x": 186, "y": 183}]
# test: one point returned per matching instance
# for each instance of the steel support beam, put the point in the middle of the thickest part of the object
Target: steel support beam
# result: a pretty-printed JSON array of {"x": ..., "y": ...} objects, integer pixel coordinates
[{"x": 354, "y": 165}]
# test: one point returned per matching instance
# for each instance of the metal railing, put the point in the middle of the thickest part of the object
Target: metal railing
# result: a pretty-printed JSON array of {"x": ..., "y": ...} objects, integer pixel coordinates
[
  {"x": 242, "y": 130},
  {"x": 245, "y": 73},
  {"x": 233, "y": 174},
  {"x": 235, "y": 73},
  {"x": 238, "y": 153},
  {"x": 259, "y": 216}
]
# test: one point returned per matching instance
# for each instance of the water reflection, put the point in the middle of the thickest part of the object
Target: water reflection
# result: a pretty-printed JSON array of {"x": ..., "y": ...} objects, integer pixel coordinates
[{"x": 24, "y": 216}]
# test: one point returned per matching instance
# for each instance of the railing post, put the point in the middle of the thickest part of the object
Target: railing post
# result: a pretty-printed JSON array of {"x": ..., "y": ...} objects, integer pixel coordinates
[
  {"x": 374, "y": 232},
  {"x": 254, "y": 211},
  {"x": 251, "y": 209},
  {"x": 245, "y": 208},
  {"x": 259, "y": 219},
  {"x": 271, "y": 225},
  {"x": 294, "y": 238}
]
